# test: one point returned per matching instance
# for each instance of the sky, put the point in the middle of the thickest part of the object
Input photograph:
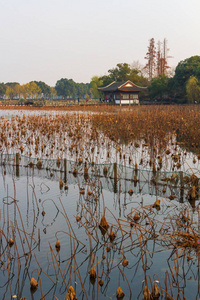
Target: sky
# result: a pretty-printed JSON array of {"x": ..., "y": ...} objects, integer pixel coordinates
[{"x": 52, "y": 39}]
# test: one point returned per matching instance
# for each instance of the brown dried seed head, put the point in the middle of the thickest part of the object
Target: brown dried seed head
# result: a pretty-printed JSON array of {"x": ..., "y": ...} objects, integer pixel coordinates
[
  {"x": 33, "y": 283},
  {"x": 82, "y": 191},
  {"x": 57, "y": 244},
  {"x": 146, "y": 293},
  {"x": 92, "y": 273},
  {"x": 39, "y": 164},
  {"x": 172, "y": 197},
  {"x": 78, "y": 218},
  {"x": 155, "y": 293},
  {"x": 61, "y": 183},
  {"x": 130, "y": 192},
  {"x": 125, "y": 263},
  {"x": 10, "y": 242},
  {"x": 71, "y": 295},
  {"x": 74, "y": 172},
  {"x": 120, "y": 293},
  {"x": 105, "y": 171},
  {"x": 136, "y": 217},
  {"x": 101, "y": 282},
  {"x": 156, "y": 203},
  {"x": 104, "y": 223},
  {"x": 112, "y": 236}
]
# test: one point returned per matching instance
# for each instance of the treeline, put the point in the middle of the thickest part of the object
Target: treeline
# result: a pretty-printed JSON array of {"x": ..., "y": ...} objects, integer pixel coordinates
[
  {"x": 65, "y": 88},
  {"x": 31, "y": 90},
  {"x": 122, "y": 72},
  {"x": 181, "y": 87}
]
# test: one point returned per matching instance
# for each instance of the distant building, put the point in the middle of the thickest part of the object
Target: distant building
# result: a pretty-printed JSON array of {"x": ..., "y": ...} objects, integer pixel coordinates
[{"x": 124, "y": 92}]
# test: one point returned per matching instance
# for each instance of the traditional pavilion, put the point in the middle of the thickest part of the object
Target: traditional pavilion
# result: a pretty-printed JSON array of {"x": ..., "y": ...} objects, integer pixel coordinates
[{"x": 125, "y": 92}]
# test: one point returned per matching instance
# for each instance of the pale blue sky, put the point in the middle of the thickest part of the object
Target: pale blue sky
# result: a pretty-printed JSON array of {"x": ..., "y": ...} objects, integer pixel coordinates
[{"x": 52, "y": 39}]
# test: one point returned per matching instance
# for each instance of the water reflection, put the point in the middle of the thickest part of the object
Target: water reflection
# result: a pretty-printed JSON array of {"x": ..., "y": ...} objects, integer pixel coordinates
[{"x": 141, "y": 244}]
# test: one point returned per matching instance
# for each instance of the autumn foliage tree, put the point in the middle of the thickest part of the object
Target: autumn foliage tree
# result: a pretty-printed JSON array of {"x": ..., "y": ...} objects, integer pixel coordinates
[
  {"x": 161, "y": 58},
  {"x": 193, "y": 90},
  {"x": 157, "y": 64}
]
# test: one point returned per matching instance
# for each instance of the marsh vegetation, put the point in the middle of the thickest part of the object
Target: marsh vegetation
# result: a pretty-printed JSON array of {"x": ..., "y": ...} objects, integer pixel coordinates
[{"x": 100, "y": 202}]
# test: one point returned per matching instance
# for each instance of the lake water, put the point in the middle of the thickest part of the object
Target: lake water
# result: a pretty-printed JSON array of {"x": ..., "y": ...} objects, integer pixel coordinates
[{"x": 37, "y": 210}]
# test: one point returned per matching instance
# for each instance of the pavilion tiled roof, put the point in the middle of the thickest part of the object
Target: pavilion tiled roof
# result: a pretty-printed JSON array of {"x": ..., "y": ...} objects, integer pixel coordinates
[{"x": 121, "y": 86}]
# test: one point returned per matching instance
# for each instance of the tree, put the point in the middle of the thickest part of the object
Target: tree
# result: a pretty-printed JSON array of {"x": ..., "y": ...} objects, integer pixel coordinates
[
  {"x": 81, "y": 89},
  {"x": 53, "y": 92},
  {"x": 95, "y": 83},
  {"x": 106, "y": 80},
  {"x": 123, "y": 72},
  {"x": 162, "y": 56},
  {"x": 184, "y": 70},
  {"x": 68, "y": 88},
  {"x": 33, "y": 90},
  {"x": 187, "y": 68},
  {"x": 12, "y": 89},
  {"x": 2, "y": 89},
  {"x": 65, "y": 87},
  {"x": 120, "y": 73},
  {"x": 25, "y": 90},
  {"x": 159, "y": 87},
  {"x": 151, "y": 56},
  {"x": 45, "y": 88},
  {"x": 193, "y": 90}
]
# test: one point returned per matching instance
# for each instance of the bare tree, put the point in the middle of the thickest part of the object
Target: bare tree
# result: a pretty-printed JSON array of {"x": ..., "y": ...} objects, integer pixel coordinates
[
  {"x": 151, "y": 59},
  {"x": 162, "y": 58}
]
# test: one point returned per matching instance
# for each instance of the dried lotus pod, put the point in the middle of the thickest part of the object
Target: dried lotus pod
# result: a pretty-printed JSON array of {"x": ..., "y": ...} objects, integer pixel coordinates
[
  {"x": 58, "y": 162},
  {"x": 172, "y": 197},
  {"x": 130, "y": 192},
  {"x": 112, "y": 236},
  {"x": 156, "y": 204},
  {"x": 105, "y": 171},
  {"x": 57, "y": 245},
  {"x": 146, "y": 293},
  {"x": 39, "y": 164},
  {"x": 61, "y": 184},
  {"x": 101, "y": 282},
  {"x": 74, "y": 172},
  {"x": 11, "y": 242},
  {"x": 120, "y": 293},
  {"x": 125, "y": 263},
  {"x": 155, "y": 293},
  {"x": 33, "y": 283},
  {"x": 82, "y": 191},
  {"x": 104, "y": 224},
  {"x": 78, "y": 218},
  {"x": 71, "y": 295},
  {"x": 92, "y": 273},
  {"x": 136, "y": 217}
]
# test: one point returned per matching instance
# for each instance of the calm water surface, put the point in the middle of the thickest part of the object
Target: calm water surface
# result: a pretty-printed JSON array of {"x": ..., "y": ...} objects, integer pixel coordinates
[{"x": 40, "y": 191}]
